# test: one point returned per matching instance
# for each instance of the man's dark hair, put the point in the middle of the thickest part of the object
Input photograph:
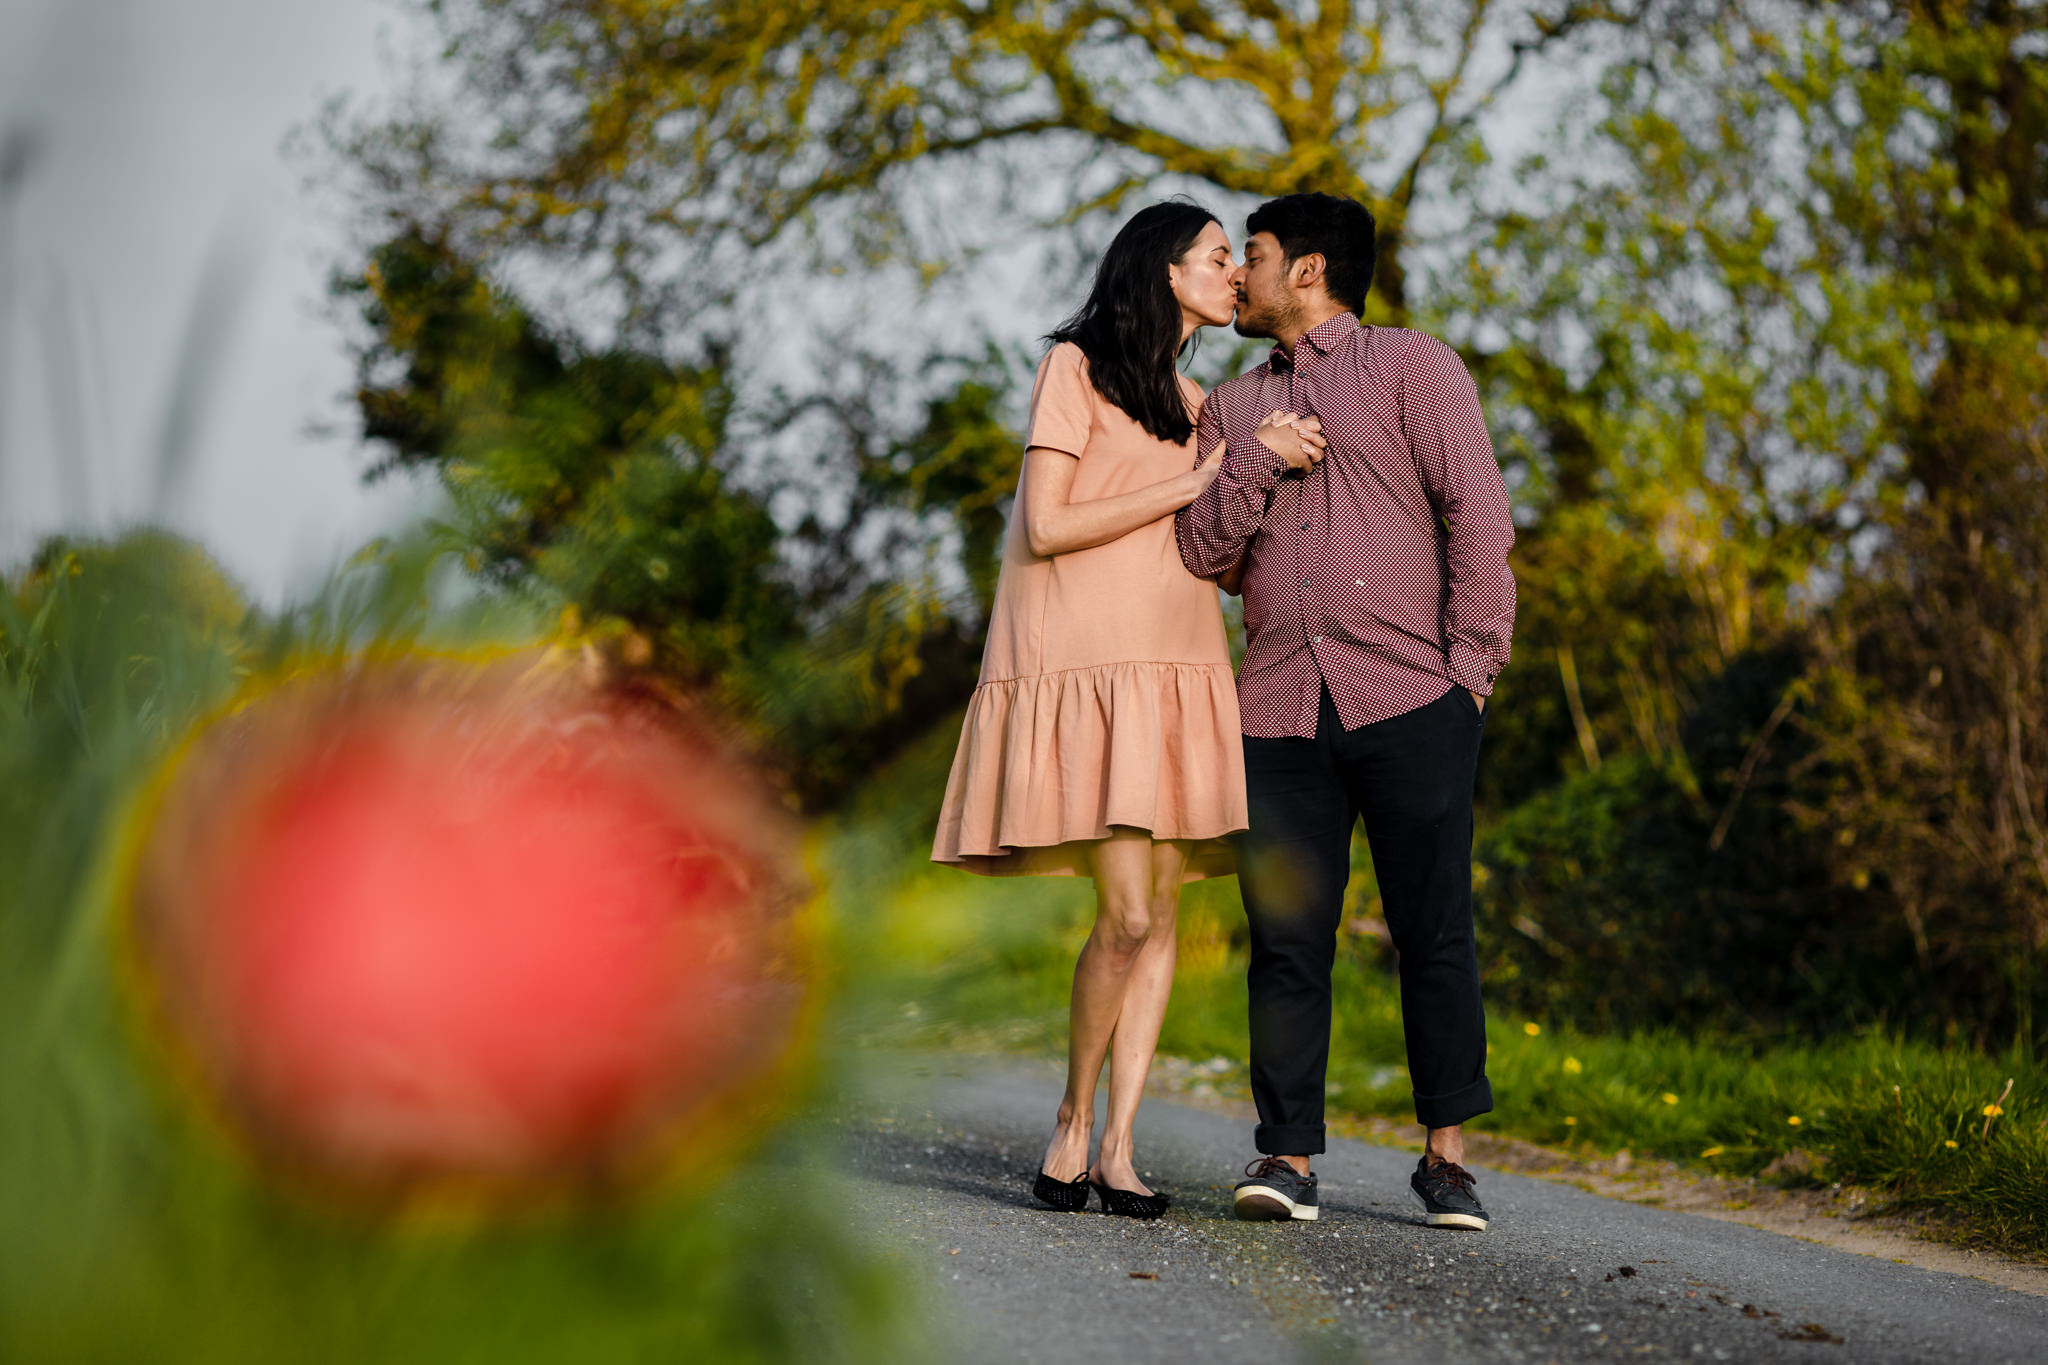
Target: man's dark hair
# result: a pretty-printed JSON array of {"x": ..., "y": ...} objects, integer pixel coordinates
[{"x": 1339, "y": 230}]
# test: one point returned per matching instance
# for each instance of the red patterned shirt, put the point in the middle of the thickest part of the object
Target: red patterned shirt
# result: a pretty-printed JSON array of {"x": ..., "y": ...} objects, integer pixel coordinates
[{"x": 1382, "y": 572}]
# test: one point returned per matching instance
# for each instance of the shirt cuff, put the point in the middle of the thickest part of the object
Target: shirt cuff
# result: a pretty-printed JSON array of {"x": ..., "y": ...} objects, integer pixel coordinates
[
  {"x": 1252, "y": 465},
  {"x": 1471, "y": 670}
]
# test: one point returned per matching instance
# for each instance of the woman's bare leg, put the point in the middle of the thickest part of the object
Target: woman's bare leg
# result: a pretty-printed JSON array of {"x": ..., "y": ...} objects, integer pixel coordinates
[
  {"x": 1124, "y": 903},
  {"x": 1137, "y": 1028}
]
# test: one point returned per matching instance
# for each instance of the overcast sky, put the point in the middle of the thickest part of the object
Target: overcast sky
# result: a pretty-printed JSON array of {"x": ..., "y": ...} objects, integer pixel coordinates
[{"x": 160, "y": 123}]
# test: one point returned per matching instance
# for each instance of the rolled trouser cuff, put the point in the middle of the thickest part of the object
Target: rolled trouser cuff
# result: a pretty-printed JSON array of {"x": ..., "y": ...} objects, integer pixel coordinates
[
  {"x": 1285, "y": 1139},
  {"x": 1450, "y": 1110}
]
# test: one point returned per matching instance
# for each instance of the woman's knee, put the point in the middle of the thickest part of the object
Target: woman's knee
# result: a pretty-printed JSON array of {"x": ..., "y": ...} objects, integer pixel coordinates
[{"x": 1122, "y": 927}]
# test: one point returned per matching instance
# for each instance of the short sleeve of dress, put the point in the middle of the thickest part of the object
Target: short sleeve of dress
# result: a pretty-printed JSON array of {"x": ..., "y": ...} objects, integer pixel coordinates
[{"x": 1062, "y": 401}]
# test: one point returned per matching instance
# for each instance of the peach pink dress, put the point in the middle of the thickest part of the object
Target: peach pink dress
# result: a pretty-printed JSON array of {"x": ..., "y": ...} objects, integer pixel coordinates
[{"x": 1105, "y": 695}]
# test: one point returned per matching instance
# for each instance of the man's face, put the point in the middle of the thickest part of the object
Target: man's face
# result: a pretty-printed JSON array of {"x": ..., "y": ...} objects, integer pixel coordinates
[{"x": 1266, "y": 305}]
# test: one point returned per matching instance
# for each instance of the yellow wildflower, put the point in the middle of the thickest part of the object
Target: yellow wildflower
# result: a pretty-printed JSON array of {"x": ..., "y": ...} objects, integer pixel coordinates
[
  {"x": 1570, "y": 1122},
  {"x": 1948, "y": 1142},
  {"x": 1572, "y": 1067},
  {"x": 1532, "y": 1028},
  {"x": 1794, "y": 1120},
  {"x": 1992, "y": 1111},
  {"x": 1711, "y": 1151},
  {"x": 1670, "y": 1098}
]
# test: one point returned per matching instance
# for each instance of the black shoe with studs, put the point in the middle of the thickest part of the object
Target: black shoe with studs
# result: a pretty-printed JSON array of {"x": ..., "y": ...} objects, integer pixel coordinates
[
  {"x": 1068, "y": 1196},
  {"x": 1129, "y": 1203}
]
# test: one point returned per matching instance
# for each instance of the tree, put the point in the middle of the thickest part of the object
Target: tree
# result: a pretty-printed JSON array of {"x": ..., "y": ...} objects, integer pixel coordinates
[
  {"x": 671, "y": 139},
  {"x": 602, "y": 481},
  {"x": 597, "y": 476},
  {"x": 1777, "y": 370},
  {"x": 1934, "y": 153}
]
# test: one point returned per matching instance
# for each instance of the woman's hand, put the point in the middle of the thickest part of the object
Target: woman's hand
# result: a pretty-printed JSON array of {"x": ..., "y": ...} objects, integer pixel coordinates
[
  {"x": 1056, "y": 525},
  {"x": 1196, "y": 481},
  {"x": 1296, "y": 439}
]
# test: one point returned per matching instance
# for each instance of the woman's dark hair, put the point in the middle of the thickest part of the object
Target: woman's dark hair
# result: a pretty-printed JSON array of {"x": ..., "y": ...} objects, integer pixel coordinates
[
  {"x": 1130, "y": 326},
  {"x": 1341, "y": 231}
]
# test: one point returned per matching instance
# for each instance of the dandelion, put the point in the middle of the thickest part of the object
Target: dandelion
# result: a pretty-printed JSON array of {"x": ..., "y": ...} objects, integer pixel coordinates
[
  {"x": 1948, "y": 1142},
  {"x": 1711, "y": 1152},
  {"x": 1570, "y": 1122},
  {"x": 1532, "y": 1028},
  {"x": 1670, "y": 1098},
  {"x": 1572, "y": 1067},
  {"x": 1793, "y": 1120},
  {"x": 1995, "y": 1108}
]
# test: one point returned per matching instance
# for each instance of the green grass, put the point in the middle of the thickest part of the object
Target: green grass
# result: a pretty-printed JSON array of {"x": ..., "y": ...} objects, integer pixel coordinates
[
  {"x": 128, "y": 1232},
  {"x": 957, "y": 960}
]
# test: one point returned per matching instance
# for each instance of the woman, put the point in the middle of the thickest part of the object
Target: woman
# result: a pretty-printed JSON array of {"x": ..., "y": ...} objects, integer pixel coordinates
[{"x": 1102, "y": 740}]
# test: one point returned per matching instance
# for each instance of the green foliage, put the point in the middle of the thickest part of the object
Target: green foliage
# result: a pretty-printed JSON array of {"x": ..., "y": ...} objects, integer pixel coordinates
[
  {"x": 608, "y": 483},
  {"x": 962, "y": 463},
  {"x": 131, "y": 1232},
  {"x": 597, "y": 479},
  {"x": 1771, "y": 383}
]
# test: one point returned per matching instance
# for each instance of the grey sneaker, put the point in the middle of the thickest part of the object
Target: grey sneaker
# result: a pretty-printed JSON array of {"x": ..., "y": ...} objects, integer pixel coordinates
[
  {"x": 1447, "y": 1196},
  {"x": 1274, "y": 1192}
]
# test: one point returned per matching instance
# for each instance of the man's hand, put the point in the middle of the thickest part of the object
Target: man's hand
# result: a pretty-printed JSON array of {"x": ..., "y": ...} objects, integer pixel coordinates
[
  {"x": 1296, "y": 439},
  {"x": 1477, "y": 700}
]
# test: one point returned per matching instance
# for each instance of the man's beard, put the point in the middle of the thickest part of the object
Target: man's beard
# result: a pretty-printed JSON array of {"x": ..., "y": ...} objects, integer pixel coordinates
[{"x": 1262, "y": 322}]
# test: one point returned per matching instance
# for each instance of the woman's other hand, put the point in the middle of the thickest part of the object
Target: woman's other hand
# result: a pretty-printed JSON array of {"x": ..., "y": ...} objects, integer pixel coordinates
[
  {"x": 1296, "y": 439},
  {"x": 1197, "y": 480}
]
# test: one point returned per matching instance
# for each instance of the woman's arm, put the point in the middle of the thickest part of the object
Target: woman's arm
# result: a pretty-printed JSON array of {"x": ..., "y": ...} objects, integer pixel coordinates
[{"x": 1055, "y": 526}]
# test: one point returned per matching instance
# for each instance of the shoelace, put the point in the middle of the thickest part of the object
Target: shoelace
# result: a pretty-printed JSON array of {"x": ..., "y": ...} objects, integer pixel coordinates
[
  {"x": 1453, "y": 1173},
  {"x": 1265, "y": 1166}
]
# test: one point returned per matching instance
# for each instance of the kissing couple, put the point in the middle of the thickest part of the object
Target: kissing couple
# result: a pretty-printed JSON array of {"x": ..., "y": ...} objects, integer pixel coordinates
[{"x": 1347, "y": 488}]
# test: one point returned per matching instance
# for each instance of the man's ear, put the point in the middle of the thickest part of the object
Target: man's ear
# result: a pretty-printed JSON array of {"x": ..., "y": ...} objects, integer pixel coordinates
[{"x": 1305, "y": 272}]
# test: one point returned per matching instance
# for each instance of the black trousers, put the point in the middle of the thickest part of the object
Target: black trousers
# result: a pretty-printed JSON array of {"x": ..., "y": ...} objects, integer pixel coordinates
[{"x": 1410, "y": 778}]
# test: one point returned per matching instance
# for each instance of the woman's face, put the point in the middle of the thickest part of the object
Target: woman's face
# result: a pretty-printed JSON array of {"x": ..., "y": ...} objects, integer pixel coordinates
[{"x": 1201, "y": 280}]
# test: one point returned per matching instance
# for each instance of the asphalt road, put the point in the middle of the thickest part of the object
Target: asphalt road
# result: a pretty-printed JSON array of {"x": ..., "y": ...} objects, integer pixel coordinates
[{"x": 940, "y": 1157}]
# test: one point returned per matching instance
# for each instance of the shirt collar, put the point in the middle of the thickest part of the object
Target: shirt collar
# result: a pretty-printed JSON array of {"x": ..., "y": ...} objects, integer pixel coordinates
[{"x": 1320, "y": 338}]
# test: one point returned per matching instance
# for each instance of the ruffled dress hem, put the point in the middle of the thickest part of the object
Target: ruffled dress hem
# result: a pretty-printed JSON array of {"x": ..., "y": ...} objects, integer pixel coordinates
[{"x": 1048, "y": 764}]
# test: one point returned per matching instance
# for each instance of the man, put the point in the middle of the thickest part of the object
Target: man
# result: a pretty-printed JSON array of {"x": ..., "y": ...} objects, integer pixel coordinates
[{"x": 1360, "y": 494}]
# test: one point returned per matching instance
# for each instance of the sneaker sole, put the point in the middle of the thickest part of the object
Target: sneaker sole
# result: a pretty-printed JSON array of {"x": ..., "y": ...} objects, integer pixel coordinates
[
  {"x": 1457, "y": 1220},
  {"x": 1469, "y": 1221},
  {"x": 1271, "y": 1206}
]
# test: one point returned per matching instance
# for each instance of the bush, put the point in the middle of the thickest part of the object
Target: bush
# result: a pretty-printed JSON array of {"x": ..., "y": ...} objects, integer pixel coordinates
[{"x": 1608, "y": 900}]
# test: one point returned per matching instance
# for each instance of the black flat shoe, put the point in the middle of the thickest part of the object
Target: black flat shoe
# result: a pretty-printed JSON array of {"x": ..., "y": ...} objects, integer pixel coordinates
[
  {"x": 1068, "y": 1196},
  {"x": 1129, "y": 1203}
]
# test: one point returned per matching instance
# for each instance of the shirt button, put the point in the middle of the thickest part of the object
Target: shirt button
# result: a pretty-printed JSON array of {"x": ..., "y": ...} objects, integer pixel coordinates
[
  {"x": 1304, "y": 526},
  {"x": 1359, "y": 581},
  {"x": 1319, "y": 639}
]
